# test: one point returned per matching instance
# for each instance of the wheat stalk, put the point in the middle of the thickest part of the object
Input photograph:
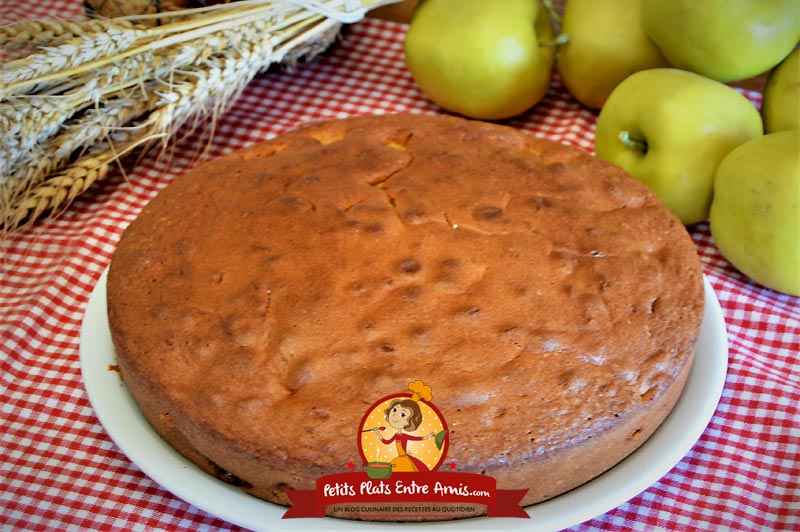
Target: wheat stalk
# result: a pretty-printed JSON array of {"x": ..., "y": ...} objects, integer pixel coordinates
[
  {"x": 91, "y": 92},
  {"x": 109, "y": 80},
  {"x": 94, "y": 127},
  {"x": 53, "y": 32},
  {"x": 71, "y": 53}
]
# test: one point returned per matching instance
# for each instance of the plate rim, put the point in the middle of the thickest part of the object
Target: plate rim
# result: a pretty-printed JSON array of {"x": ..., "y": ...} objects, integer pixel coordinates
[{"x": 127, "y": 428}]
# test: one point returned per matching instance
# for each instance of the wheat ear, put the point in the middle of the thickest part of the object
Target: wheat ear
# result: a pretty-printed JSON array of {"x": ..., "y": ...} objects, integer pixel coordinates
[
  {"x": 102, "y": 89},
  {"x": 53, "y": 32}
]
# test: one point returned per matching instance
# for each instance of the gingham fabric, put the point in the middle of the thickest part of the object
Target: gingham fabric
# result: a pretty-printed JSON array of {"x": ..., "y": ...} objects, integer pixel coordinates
[{"x": 59, "y": 470}]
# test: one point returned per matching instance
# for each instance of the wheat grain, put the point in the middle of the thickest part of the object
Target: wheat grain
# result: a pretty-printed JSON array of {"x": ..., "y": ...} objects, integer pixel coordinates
[
  {"x": 73, "y": 52},
  {"x": 50, "y": 32},
  {"x": 32, "y": 123},
  {"x": 95, "y": 126},
  {"x": 56, "y": 192},
  {"x": 188, "y": 93},
  {"x": 103, "y": 89},
  {"x": 207, "y": 88},
  {"x": 46, "y": 115},
  {"x": 26, "y": 124},
  {"x": 23, "y": 155},
  {"x": 23, "y": 160}
]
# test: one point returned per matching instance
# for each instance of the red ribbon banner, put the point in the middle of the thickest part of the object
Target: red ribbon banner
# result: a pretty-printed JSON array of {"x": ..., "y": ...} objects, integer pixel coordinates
[{"x": 433, "y": 487}]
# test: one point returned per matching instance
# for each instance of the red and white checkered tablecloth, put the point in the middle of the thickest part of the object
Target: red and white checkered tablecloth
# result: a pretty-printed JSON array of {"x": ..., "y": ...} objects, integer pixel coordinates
[{"x": 60, "y": 470}]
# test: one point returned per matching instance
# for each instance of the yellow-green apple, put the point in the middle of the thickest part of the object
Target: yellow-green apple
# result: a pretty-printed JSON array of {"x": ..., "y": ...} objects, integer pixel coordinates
[
  {"x": 670, "y": 129},
  {"x": 755, "y": 216},
  {"x": 725, "y": 40},
  {"x": 481, "y": 59},
  {"x": 780, "y": 106},
  {"x": 607, "y": 43}
]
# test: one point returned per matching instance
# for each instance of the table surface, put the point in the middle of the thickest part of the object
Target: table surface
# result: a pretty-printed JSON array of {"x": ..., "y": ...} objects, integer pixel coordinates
[{"x": 60, "y": 470}]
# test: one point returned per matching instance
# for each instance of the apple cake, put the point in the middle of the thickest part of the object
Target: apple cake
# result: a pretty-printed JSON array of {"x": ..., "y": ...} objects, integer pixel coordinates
[{"x": 260, "y": 303}]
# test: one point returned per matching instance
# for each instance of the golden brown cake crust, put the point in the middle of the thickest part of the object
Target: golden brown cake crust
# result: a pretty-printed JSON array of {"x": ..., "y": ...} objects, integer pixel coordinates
[{"x": 261, "y": 302}]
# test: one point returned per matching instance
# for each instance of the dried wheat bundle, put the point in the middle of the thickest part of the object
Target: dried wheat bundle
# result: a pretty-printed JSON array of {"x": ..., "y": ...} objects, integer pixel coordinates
[{"x": 89, "y": 92}]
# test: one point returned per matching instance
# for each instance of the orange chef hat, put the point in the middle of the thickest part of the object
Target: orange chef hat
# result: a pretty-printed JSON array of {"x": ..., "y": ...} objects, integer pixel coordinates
[{"x": 420, "y": 391}]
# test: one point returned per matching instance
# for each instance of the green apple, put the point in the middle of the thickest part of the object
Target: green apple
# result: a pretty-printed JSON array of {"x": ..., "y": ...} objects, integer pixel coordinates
[
  {"x": 755, "y": 216},
  {"x": 725, "y": 40},
  {"x": 670, "y": 129},
  {"x": 481, "y": 59},
  {"x": 606, "y": 44},
  {"x": 780, "y": 106}
]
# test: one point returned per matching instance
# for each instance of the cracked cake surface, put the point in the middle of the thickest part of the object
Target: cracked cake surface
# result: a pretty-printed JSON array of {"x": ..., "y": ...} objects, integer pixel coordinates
[{"x": 262, "y": 301}]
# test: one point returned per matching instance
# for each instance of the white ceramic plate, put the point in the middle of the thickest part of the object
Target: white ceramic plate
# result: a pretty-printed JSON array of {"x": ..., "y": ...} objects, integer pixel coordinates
[{"x": 127, "y": 427}]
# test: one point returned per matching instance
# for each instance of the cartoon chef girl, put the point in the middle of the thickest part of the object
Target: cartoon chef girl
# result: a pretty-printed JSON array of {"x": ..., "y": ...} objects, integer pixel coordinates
[{"x": 404, "y": 415}]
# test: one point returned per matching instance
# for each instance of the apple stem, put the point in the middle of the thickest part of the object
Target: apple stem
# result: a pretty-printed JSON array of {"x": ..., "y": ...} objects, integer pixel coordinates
[
  {"x": 552, "y": 12},
  {"x": 638, "y": 145},
  {"x": 563, "y": 38}
]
